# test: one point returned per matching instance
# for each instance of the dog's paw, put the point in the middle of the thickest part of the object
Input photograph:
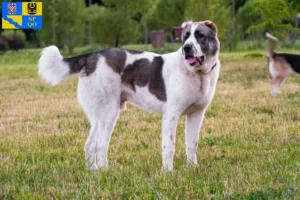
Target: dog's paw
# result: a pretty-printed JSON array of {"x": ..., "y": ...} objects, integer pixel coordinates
[
  {"x": 167, "y": 168},
  {"x": 275, "y": 92},
  {"x": 103, "y": 167},
  {"x": 191, "y": 163},
  {"x": 102, "y": 164},
  {"x": 94, "y": 167}
]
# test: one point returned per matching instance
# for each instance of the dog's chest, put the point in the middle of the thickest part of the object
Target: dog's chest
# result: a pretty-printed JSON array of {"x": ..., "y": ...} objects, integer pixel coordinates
[{"x": 198, "y": 93}]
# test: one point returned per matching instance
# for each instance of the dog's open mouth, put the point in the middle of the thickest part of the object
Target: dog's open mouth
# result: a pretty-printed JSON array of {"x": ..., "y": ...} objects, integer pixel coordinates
[{"x": 194, "y": 60}]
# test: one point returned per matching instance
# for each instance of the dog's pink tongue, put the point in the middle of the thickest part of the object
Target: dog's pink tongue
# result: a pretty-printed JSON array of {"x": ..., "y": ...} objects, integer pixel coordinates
[{"x": 191, "y": 60}]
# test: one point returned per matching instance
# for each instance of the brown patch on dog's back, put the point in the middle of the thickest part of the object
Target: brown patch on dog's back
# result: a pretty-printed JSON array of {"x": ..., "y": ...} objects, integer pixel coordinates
[
  {"x": 115, "y": 58},
  {"x": 86, "y": 62},
  {"x": 141, "y": 72}
]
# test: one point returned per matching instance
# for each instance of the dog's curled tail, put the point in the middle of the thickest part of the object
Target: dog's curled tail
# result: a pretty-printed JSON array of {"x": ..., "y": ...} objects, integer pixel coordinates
[
  {"x": 52, "y": 67},
  {"x": 271, "y": 44}
]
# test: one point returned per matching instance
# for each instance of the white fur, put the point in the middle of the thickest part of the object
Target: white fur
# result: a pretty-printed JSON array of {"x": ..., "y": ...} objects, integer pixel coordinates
[
  {"x": 272, "y": 69},
  {"x": 133, "y": 57},
  {"x": 188, "y": 93},
  {"x": 275, "y": 89},
  {"x": 142, "y": 98},
  {"x": 193, "y": 40},
  {"x": 52, "y": 68}
]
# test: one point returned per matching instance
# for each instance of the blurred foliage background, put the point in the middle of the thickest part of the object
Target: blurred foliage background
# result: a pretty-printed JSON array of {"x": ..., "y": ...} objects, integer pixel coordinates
[{"x": 107, "y": 23}]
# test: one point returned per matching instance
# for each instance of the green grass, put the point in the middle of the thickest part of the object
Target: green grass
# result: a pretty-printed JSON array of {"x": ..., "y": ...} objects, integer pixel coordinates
[{"x": 249, "y": 146}]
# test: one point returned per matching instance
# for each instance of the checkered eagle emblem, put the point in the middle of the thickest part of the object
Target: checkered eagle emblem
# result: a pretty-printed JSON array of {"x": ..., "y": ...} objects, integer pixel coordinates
[{"x": 11, "y": 8}]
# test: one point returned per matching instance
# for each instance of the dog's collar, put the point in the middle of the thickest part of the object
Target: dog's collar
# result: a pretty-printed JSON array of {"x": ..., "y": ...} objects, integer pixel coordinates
[{"x": 213, "y": 67}]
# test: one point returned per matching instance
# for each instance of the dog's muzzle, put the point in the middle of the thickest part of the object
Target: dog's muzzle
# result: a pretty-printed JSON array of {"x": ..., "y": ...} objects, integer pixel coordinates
[{"x": 189, "y": 52}]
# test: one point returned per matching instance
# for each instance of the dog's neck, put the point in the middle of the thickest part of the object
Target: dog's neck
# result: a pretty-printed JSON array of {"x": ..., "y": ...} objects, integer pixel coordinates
[{"x": 211, "y": 63}]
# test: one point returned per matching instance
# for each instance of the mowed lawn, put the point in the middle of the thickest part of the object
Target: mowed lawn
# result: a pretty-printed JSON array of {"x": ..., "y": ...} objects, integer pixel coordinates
[{"x": 249, "y": 146}]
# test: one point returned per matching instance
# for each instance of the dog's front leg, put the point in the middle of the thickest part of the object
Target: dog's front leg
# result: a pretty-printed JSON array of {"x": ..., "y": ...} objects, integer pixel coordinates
[
  {"x": 169, "y": 125},
  {"x": 192, "y": 129}
]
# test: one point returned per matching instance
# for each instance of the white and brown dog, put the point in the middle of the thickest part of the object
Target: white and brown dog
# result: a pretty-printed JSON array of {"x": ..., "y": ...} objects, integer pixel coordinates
[
  {"x": 173, "y": 84},
  {"x": 280, "y": 64}
]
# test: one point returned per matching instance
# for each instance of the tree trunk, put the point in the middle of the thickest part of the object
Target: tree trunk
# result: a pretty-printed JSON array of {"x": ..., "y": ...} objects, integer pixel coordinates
[
  {"x": 53, "y": 22},
  {"x": 233, "y": 16},
  {"x": 297, "y": 25},
  {"x": 145, "y": 31},
  {"x": 89, "y": 27},
  {"x": 117, "y": 40}
]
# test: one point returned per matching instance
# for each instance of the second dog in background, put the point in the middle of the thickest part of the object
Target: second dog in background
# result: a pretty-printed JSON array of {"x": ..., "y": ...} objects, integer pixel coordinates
[{"x": 280, "y": 64}]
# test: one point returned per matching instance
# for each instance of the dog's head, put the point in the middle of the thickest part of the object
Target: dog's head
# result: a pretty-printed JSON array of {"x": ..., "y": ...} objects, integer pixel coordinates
[{"x": 199, "y": 45}]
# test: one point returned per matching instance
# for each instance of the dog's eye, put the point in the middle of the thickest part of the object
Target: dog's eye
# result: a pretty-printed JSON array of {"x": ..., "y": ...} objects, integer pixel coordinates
[
  {"x": 187, "y": 35},
  {"x": 198, "y": 34}
]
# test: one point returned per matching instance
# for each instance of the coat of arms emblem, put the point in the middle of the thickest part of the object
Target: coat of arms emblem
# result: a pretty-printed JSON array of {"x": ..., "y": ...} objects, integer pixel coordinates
[
  {"x": 31, "y": 8},
  {"x": 11, "y": 8}
]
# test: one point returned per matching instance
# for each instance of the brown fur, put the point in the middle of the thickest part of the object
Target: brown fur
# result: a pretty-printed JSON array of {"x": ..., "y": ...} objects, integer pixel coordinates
[
  {"x": 142, "y": 72},
  {"x": 283, "y": 69}
]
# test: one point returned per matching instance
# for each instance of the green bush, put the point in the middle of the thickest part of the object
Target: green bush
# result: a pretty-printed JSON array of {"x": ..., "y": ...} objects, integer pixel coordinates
[
  {"x": 9, "y": 34},
  {"x": 15, "y": 40}
]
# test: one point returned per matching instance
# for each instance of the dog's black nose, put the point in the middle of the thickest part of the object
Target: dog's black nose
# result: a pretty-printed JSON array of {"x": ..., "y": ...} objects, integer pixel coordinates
[{"x": 188, "y": 49}]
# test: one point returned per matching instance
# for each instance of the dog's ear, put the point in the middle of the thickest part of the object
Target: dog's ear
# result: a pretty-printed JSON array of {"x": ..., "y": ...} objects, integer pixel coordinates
[{"x": 211, "y": 25}]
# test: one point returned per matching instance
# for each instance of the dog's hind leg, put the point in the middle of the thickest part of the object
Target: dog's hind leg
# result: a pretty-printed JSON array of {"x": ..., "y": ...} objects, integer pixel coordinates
[
  {"x": 279, "y": 70},
  {"x": 102, "y": 125},
  {"x": 99, "y": 95},
  {"x": 108, "y": 121},
  {"x": 275, "y": 90},
  {"x": 90, "y": 146},
  {"x": 277, "y": 82},
  {"x": 93, "y": 109}
]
